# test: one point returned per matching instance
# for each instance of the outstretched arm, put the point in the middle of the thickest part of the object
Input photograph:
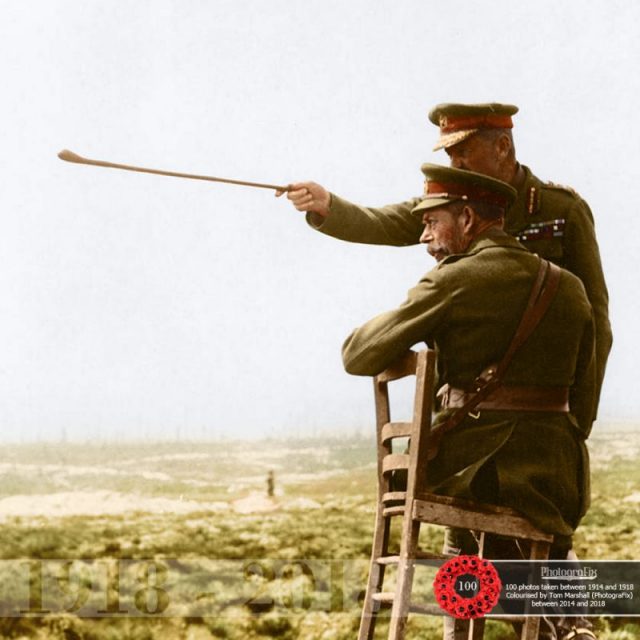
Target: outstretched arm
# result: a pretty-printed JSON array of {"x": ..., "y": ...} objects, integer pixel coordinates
[{"x": 392, "y": 225}]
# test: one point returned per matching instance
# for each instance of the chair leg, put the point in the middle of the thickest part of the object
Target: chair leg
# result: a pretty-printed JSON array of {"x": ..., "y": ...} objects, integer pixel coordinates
[
  {"x": 476, "y": 629},
  {"x": 406, "y": 569},
  {"x": 540, "y": 550},
  {"x": 376, "y": 576},
  {"x": 531, "y": 626}
]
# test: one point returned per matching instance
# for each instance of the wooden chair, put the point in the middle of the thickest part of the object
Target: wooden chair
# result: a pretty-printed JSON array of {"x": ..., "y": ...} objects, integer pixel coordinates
[{"x": 415, "y": 506}]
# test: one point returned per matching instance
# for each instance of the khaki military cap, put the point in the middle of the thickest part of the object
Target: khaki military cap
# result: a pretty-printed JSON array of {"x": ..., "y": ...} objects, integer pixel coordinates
[
  {"x": 459, "y": 121},
  {"x": 445, "y": 185}
]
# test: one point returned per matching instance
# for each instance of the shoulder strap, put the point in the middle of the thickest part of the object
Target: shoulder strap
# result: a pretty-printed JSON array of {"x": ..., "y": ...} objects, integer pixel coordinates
[{"x": 542, "y": 293}]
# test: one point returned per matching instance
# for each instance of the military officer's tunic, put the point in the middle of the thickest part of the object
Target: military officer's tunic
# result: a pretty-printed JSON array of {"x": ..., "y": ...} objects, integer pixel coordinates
[
  {"x": 468, "y": 308},
  {"x": 552, "y": 221}
]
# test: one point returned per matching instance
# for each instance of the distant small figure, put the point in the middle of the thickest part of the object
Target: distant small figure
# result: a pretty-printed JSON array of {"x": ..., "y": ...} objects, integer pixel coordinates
[{"x": 271, "y": 482}]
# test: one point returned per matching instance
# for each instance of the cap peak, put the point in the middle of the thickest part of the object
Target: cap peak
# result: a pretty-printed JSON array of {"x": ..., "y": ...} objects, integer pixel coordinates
[{"x": 458, "y": 121}]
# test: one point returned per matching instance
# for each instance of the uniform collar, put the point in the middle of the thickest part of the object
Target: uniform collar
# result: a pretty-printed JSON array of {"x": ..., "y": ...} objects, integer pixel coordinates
[
  {"x": 490, "y": 239},
  {"x": 526, "y": 203}
]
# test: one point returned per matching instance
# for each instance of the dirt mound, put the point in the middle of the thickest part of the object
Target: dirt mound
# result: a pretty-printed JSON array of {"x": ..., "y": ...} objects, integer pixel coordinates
[{"x": 93, "y": 503}]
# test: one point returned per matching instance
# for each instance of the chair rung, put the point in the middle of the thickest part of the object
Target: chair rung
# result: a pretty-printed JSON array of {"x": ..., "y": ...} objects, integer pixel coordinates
[
  {"x": 395, "y": 461},
  {"x": 394, "y": 496},
  {"x": 387, "y": 560},
  {"x": 498, "y": 616},
  {"x": 427, "y": 555},
  {"x": 395, "y": 430},
  {"x": 383, "y": 597},
  {"x": 420, "y": 555},
  {"x": 387, "y": 598},
  {"x": 426, "y": 609},
  {"x": 393, "y": 511}
]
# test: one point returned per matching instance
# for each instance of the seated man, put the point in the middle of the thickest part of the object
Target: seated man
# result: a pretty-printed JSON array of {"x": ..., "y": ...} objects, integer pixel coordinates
[{"x": 529, "y": 455}]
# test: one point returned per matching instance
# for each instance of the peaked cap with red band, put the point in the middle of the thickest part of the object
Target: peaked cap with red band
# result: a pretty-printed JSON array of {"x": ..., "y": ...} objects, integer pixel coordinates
[
  {"x": 457, "y": 122},
  {"x": 445, "y": 185}
]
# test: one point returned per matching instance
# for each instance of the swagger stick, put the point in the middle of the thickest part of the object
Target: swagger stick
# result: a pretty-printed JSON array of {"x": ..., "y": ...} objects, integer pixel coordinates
[{"x": 70, "y": 156}]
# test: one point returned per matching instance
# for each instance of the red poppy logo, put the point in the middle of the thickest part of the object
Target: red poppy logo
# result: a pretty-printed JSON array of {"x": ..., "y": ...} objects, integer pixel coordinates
[{"x": 467, "y": 587}]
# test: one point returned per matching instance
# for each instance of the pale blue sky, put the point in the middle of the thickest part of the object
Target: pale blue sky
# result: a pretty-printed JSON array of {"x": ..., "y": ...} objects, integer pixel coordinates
[{"x": 135, "y": 305}]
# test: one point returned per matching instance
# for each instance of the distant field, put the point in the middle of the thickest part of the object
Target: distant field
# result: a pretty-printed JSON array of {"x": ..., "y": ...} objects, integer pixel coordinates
[{"x": 200, "y": 541}]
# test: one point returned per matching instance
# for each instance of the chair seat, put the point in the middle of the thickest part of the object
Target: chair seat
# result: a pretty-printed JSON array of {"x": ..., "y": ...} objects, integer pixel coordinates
[{"x": 465, "y": 514}]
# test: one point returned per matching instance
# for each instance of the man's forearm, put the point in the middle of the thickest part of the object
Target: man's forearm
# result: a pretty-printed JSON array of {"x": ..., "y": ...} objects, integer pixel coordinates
[{"x": 392, "y": 225}]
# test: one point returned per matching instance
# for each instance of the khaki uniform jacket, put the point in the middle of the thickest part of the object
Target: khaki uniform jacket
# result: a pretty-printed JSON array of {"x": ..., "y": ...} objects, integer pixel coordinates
[
  {"x": 552, "y": 221},
  {"x": 468, "y": 308}
]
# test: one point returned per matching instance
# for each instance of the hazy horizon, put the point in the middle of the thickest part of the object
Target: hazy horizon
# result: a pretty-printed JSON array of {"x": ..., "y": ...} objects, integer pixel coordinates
[{"x": 328, "y": 433}]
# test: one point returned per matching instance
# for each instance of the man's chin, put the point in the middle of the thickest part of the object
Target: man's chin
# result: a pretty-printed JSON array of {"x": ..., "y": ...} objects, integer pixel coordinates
[{"x": 438, "y": 256}]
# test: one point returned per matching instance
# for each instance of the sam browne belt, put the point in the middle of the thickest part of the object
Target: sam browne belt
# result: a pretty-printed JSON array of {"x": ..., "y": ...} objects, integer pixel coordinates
[
  {"x": 512, "y": 398},
  {"x": 490, "y": 380}
]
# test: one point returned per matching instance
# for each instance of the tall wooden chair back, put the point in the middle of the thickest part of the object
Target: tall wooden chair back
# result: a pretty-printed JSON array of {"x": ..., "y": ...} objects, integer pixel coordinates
[{"x": 415, "y": 506}]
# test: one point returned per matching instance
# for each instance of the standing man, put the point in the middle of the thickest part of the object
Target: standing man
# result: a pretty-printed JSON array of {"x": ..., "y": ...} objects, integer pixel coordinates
[
  {"x": 552, "y": 221},
  {"x": 523, "y": 447}
]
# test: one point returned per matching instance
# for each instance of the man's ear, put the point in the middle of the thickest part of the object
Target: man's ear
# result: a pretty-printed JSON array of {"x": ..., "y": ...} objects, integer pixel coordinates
[
  {"x": 503, "y": 147},
  {"x": 468, "y": 217}
]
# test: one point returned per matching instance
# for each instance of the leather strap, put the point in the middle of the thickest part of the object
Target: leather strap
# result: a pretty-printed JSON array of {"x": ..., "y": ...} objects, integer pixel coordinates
[
  {"x": 542, "y": 293},
  {"x": 510, "y": 398}
]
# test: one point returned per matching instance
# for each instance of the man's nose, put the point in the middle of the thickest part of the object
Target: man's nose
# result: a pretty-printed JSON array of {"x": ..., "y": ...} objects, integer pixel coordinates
[
  {"x": 426, "y": 236},
  {"x": 457, "y": 162}
]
